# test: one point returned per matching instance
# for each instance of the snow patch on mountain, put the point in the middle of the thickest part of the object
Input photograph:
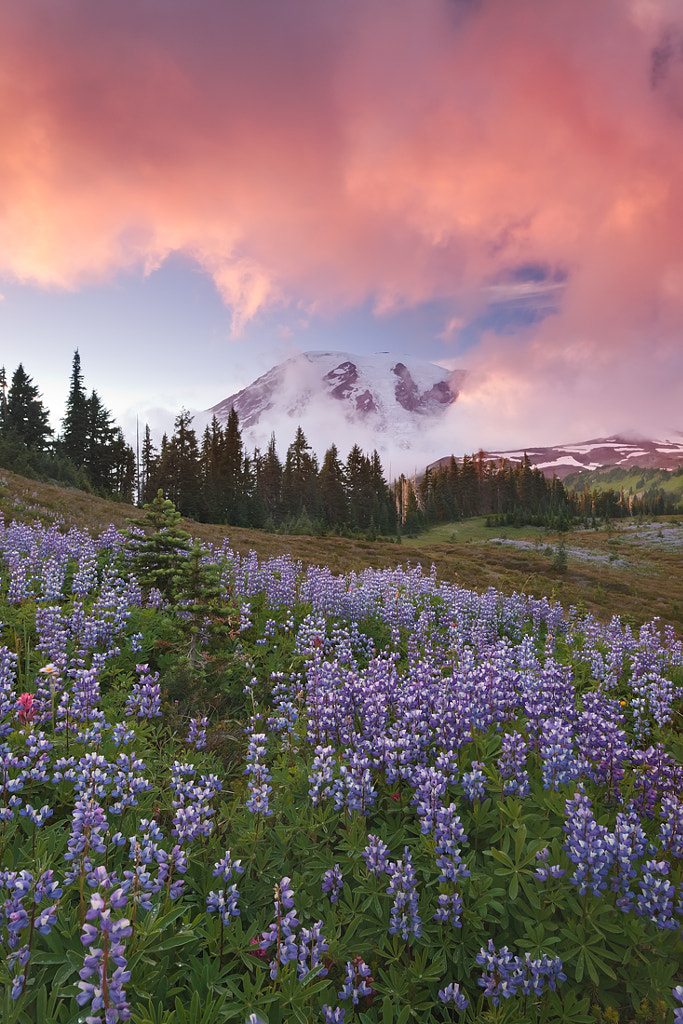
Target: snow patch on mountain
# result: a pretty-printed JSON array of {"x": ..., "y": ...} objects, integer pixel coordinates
[
  {"x": 603, "y": 452},
  {"x": 378, "y": 401}
]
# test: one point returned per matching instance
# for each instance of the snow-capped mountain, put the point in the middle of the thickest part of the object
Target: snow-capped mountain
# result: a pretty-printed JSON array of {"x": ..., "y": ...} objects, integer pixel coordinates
[
  {"x": 562, "y": 460},
  {"x": 402, "y": 407},
  {"x": 386, "y": 400}
]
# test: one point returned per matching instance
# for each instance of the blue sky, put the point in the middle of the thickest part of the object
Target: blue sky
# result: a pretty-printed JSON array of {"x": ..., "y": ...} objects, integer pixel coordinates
[{"x": 153, "y": 343}]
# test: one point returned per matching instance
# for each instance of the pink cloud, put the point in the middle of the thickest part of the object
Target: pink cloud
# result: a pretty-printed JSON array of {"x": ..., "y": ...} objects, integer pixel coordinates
[{"x": 323, "y": 154}]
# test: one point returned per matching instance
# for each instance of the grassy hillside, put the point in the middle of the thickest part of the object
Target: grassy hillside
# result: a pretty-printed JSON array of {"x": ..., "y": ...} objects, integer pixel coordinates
[
  {"x": 634, "y": 481},
  {"x": 631, "y": 569}
]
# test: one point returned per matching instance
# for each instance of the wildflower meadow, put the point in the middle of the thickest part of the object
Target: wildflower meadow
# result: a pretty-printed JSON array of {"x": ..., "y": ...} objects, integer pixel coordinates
[{"x": 241, "y": 790}]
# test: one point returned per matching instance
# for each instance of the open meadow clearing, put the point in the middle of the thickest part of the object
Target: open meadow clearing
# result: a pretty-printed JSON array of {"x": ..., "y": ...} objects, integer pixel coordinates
[{"x": 243, "y": 788}]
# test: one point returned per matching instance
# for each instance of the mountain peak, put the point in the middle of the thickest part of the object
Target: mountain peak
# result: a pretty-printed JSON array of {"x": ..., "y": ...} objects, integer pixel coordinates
[{"x": 391, "y": 399}]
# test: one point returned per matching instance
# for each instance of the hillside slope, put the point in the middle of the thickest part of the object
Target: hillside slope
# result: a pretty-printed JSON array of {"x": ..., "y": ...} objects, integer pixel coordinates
[{"x": 626, "y": 569}]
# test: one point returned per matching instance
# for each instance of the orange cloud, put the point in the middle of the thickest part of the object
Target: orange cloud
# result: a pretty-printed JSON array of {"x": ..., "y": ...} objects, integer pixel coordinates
[{"x": 322, "y": 154}]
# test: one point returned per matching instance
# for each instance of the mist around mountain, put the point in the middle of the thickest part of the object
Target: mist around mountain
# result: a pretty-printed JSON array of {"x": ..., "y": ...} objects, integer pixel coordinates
[
  {"x": 394, "y": 405},
  {"x": 408, "y": 411}
]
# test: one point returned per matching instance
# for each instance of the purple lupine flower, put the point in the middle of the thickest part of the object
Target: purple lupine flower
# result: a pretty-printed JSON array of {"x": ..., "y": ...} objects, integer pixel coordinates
[
  {"x": 356, "y": 982},
  {"x": 452, "y": 994},
  {"x": 449, "y": 833},
  {"x": 22, "y": 887},
  {"x": 333, "y": 883},
  {"x": 505, "y": 974},
  {"x": 630, "y": 844},
  {"x": 282, "y": 931},
  {"x": 512, "y": 765},
  {"x": 588, "y": 846},
  {"x": 556, "y": 747},
  {"x": 89, "y": 828},
  {"x": 107, "y": 993},
  {"x": 85, "y": 697},
  {"x": 312, "y": 945},
  {"x": 333, "y": 1015},
  {"x": 500, "y": 976},
  {"x": 36, "y": 817},
  {"x": 545, "y": 871},
  {"x": 127, "y": 783},
  {"x": 671, "y": 830},
  {"x": 538, "y": 969},
  {"x": 145, "y": 697},
  {"x": 375, "y": 855},
  {"x": 430, "y": 785},
  {"x": 677, "y": 993},
  {"x": 474, "y": 782},
  {"x": 121, "y": 734},
  {"x": 193, "y": 814},
  {"x": 196, "y": 736},
  {"x": 322, "y": 774},
  {"x": 449, "y": 909},
  {"x": 224, "y": 901},
  {"x": 657, "y": 894},
  {"x": 354, "y": 789},
  {"x": 405, "y": 920},
  {"x": 259, "y": 776}
]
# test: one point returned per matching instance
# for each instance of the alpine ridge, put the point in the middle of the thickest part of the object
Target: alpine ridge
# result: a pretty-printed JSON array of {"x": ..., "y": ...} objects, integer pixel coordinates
[{"x": 386, "y": 399}]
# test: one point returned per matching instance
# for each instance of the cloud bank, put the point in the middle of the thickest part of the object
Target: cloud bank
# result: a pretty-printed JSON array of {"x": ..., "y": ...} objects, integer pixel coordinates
[{"x": 313, "y": 156}]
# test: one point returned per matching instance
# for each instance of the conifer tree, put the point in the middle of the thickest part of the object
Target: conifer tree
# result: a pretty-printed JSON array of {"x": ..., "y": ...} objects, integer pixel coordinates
[
  {"x": 208, "y": 616},
  {"x": 384, "y": 511},
  {"x": 75, "y": 423},
  {"x": 269, "y": 479},
  {"x": 179, "y": 471},
  {"x": 299, "y": 478},
  {"x": 149, "y": 464},
  {"x": 25, "y": 417},
  {"x": 412, "y": 522},
  {"x": 122, "y": 467},
  {"x": 159, "y": 559},
  {"x": 3, "y": 395},
  {"x": 211, "y": 464},
  {"x": 332, "y": 486},
  {"x": 360, "y": 489},
  {"x": 232, "y": 471},
  {"x": 99, "y": 456}
]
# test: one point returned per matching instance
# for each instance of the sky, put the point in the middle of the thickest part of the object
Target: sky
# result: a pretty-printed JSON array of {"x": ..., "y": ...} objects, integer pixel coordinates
[{"x": 191, "y": 193}]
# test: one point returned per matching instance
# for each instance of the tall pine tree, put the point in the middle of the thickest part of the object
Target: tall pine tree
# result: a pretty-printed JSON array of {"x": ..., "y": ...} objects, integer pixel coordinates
[
  {"x": 332, "y": 487},
  {"x": 299, "y": 479},
  {"x": 76, "y": 421},
  {"x": 3, "y": 395},
  {"x": 26, "y": 418},
  {"x": 269, "y": 480},
  {"x": 232, "y": 472},
  {"x": 149, "y": 465},
  {"x": 183, "y": 484}
]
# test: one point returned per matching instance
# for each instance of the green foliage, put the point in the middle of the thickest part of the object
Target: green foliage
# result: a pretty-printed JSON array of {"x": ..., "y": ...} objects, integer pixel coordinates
[
  {"x": 159, "y": 558},
  {"x": 209, "y": 643},
  {"x": 560, "y": 560}
]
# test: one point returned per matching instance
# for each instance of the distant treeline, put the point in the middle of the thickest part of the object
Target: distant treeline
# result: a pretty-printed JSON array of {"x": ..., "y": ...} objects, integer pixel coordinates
[
  {"x": 508, "y": 493},
  {"x": 515, "y": 494},
  {"x": 634, "y": 491},
  {"x": 213, "y": 479}
]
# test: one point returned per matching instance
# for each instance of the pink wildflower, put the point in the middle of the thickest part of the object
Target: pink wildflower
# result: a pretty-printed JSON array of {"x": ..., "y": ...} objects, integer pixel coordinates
[{"x": 26, "y": 712}]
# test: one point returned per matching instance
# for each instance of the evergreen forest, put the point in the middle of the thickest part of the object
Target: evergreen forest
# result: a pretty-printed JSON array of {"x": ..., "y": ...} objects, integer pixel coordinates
[{"x": 212, "y": 478}]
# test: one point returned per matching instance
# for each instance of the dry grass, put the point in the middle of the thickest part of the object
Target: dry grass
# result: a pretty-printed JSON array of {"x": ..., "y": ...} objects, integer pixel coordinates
[{"x": 628, "y": 570}]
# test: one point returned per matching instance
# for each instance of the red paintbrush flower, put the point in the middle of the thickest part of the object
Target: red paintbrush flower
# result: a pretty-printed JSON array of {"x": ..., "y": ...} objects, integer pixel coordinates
[{"x": 26, "y": 712}]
